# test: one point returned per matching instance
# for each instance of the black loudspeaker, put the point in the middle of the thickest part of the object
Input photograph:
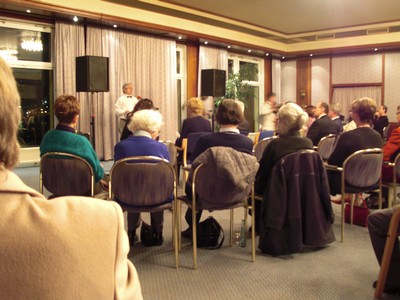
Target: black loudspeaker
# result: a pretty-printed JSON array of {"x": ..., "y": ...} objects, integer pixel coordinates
[
  {"x": 92, "y": 74},
  {"x": 213, "y": 82}
]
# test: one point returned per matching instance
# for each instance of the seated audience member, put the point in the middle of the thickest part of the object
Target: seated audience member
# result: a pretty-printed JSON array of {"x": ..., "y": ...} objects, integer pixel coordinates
[
  {"x": 228, "y": 116},
  {"x": 378, "y": 226},
  {"x": 142, "y": 104},
  {"x": 363, "y": 137},
  {"x": 244, "y": 126},
  {"x": 145, "y": 125},
  {"x": 381, "y": 120},
  {"x": 65, "y": 139},
  {"x": 310, "y": 110},
  {"x": 291, "y": 119},
  {"x": 334, "y": 114},
  {"x": 390, "y": 150},
  {"x": 55, "y": 249},
  {"x": 323, "y": 125}
]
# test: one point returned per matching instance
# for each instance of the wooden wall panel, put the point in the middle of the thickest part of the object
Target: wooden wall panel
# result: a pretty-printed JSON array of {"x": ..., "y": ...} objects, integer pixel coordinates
[
  {"x": 192, "y": 70},
  {"x": 303, "y": 86}
]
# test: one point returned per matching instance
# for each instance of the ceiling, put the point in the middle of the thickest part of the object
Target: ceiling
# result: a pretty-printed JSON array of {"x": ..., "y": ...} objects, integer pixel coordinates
[{"x": 299, "y": 16}]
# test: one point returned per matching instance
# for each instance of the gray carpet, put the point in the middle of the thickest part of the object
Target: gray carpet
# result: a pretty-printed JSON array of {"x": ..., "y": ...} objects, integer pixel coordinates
[{"x": 339, "y": 271}]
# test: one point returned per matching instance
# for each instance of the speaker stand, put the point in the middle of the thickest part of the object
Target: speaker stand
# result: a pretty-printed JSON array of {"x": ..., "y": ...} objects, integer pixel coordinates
[{"x": 92, "y": 121}]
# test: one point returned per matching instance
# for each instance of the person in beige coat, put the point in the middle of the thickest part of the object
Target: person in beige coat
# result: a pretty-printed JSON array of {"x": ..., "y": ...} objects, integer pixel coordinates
[{"x": 66, "y": 248}]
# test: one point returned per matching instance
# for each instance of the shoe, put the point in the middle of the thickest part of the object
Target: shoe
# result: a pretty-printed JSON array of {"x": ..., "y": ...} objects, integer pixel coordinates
[
  {"x": 132, "y": 237},
  {"x": 158, "y": 239},
  {"x": 187, "y": 233},
  {"x": 389, "y": 289}
]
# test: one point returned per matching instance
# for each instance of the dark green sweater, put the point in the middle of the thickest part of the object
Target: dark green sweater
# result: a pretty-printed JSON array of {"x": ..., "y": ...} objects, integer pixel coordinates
[{"x": 64, "y": 141}]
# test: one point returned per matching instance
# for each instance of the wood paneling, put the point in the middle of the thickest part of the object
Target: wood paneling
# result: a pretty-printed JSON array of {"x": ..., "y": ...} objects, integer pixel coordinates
[
  {"x": 303, "y": 86},
  {"x": 192, "y": 70},
  {"x": 267, "y": 77}
]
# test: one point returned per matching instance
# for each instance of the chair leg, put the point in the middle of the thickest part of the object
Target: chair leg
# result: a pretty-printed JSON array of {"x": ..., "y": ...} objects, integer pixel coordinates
[
  {"x": 253, "y": 228},
  {"x": 194, "y": 235},
  {"x": 352, "y": 208},
  {"x": 175, "y": 233},
  {"x": 231, "y": 229},
  {"x": 179, "y": 224},
  {"x": 342, "y": 221}
]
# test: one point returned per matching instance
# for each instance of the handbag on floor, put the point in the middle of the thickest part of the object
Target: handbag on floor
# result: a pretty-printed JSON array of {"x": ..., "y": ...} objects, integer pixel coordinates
[
  {"x": 210, "y": 234},
  {"x": 360, "y": 214}
]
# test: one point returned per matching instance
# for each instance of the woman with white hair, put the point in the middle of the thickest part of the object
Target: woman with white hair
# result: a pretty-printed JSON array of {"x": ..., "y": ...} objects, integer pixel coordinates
[
  {"x": 145, "y": 125},
  {"x": 291, "y": 119}
]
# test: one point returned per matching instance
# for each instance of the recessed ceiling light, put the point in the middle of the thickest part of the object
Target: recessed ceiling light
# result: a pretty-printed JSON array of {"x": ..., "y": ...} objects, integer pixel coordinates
[
  {"x": 249, "y": 50},
  {"x": 376, "y": 49},
  {"x": 206, "y": 42},
  {"x": 283, "y": 57},
  {"x": 229, "y": 47},
  {"x": 115, "y": 25},
  {"x": 179, "y": 37},
  {"x": 266, "y": 54},
  {"x": 28, "y": 11},
  {"x": 75, "y": 19},
  {"x": 311, "y": 54}
]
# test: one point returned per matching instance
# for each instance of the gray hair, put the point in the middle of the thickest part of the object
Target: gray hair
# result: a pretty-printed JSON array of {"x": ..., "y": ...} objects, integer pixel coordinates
[
  {"x": 125, "y": 85},
  {"x": 292, "y": 118},
  {"x": 10, "y": 116},
  {"x": 147, "y": 119},
  {"x": 336, "y": 108}
]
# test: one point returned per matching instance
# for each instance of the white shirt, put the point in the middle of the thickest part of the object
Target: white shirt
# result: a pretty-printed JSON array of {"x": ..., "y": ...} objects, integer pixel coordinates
[
  {"x": 267, "y": 117},
  {"x": 125, "y": 105}
]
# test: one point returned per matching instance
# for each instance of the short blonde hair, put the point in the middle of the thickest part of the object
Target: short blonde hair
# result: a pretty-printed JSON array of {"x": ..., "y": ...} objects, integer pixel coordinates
[
  {"x": 147, "y": 119},
  {"x": 10, "y": 116},
  {"x": 195, "y": 105},
  {"x": 292, "y": 118}
]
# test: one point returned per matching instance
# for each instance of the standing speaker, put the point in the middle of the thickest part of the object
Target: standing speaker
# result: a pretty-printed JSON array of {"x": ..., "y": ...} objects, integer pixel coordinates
[
  {"x": 92, "y": 74},
  {"x": 213, "y": 82}
]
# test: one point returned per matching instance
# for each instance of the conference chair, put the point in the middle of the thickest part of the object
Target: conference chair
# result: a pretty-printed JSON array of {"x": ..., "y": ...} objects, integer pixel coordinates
[
  {"x": 387, "y": 253},
  {"x": 173, "y": 155},
  {"x": 145, "y": 184},
  {"x": 393, "y": 184},
  {"x": 65, "y": 174},
  {"x": 260, "y": 147},
  {"x": 326, "y": 146},
  {"x": 361, "y": 172},
  {"x": 211, "y": 192}
]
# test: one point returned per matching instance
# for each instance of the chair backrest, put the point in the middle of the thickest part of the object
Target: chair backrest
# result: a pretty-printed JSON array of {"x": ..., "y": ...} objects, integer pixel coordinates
[
  {"x": 173, "y": 152},
  {"x": 397, "y": 165},
  {"x": 260, "y": 147},
  {"x": 363, "y": 168},
  {"x": 189, "y": 143},
  {"x": 143, "y": 183},
  {"x": 265, "y": 134},
  {"x": 64, "y": 174},
  {"x": 326, "y": 146},
  {"x": 385, "y": 132}
]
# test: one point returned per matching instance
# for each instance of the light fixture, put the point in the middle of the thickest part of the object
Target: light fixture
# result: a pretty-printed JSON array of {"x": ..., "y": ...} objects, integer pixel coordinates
[
  {"x": 28, "y": 11},
  {"x": 311, "y": 54},
  {"x": 9, "y": 54},
  {"x": 75, "y": 19},
  {"x": 266, "y": 54},
  {"x": 115, "y": 25},
  {"x": 249, "y": 50},
  {"x": 376, "y": 49},
  {"x": 283, "y": 57},
  {"x": 179, "y": 37},
  {"x": 31, "y": 41},
  {"x": 206, "y": 42},
  {"x": 229, "y": 47}
]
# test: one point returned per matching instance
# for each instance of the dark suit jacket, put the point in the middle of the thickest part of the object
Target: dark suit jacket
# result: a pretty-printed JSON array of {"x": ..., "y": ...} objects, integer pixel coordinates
[
  {"x": 380, "y": 123},
  {"x": 348, "y": 143},
  {"x": 339, "y": 124},
  {"x": 320, "y": 128}
]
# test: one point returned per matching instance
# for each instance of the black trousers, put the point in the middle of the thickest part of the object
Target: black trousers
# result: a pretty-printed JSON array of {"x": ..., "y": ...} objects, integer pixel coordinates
[{"x": 157, "y": 220}]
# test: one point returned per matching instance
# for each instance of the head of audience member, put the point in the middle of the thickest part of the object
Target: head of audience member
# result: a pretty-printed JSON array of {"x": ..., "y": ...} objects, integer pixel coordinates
[
  {"x": 144, "y": 103},
  {"x": 10, "y": 116},
  {"x": 310, "y": 110},
  {"x": 272, "y": 98},
  {"x": 146, "y": 120},
  {"x": 335, "y": 110},
  {"x": 321, "y": 109},
  {"x": 66, "y": 109},
  {"x": 382, "y": 111},
  {"x": 363, "y": 111},
  {"x": 127, "y": 88},
  {"x": 291, "y": 118},
  {"x": 229, "y": 114},
  {"x": 195, "y": 106}
]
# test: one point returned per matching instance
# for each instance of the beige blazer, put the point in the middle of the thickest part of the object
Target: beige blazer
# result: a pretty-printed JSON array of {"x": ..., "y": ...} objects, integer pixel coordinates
[{"x": 65, "y": 248}]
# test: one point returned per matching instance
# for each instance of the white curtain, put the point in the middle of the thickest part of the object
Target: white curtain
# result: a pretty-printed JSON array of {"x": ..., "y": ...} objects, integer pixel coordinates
[
  {"x": 276, "y": 78},
  {"x": 149, "y": 64},
  {"x": 69, "y": 43},
  {"x": 211, "y": 58},
  {"x": 345, "y": 96}
]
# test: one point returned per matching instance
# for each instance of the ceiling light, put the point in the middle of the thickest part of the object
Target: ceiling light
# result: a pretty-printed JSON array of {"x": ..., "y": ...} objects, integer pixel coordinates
[
  {"x": 75, "y": 19},
  {"x": 249, "y": 50},
  {"x": 266, "y": 54},
  {"x": 28, "y": 11},
  {"x": 31, "y": 41},
  {"x": 283, "y": 57},
  {"x": 376, "y": 49},
  {"x": 179, "y": 37},
  {"x": 311, "y": 54},
  {"x": 229, "y": 47},
  {"x": 115, "y": 25},
  {"x": 206, "y": 42}
]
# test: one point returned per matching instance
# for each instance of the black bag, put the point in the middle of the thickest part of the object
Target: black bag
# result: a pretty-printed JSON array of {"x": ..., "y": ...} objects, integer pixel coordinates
[
  {"x": 210, "y": 234},
  {"x": 147, "y": 235}
]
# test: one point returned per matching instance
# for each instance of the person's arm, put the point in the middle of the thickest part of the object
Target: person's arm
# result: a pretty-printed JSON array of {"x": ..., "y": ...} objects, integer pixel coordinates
[
  {"x": 340, "y": 153},
  {"x": 313, "y": 132},
  {"x": 264, "y": 171},
  {"x": 392, "y": 145},
  {"x": 127, "y": 284},
  {"x": 94, "y": 162},
  {"x": 120, "y": 107}
]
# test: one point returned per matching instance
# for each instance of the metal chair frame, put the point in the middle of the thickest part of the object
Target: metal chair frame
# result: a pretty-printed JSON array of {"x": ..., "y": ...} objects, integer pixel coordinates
[
  {"x": 393, "y": 185},
  {"x": 325, "y": 139},
  {"x": 62, "y": 155},
  {"x": 342, "y": 170},
  {"x": 154, "y": 159},
  {"x": 262, "y": 144}
]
